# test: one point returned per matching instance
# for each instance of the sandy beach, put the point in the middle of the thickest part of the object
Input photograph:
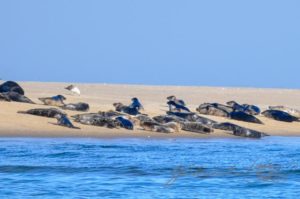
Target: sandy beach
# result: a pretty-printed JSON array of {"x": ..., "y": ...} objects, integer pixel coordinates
[{"x": 102, "y": 96}]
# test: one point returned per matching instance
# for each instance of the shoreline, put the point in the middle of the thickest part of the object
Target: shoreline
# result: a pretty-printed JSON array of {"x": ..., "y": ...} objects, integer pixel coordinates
[{"x": 102, "y": 96}]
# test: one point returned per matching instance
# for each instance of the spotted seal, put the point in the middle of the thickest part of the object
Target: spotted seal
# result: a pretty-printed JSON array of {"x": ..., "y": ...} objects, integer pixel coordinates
[
  {"x": 239, "y": 131},
  {"x": 214, "y": 109},
  {"x": 63, "y": 120},
  {"x": 44, "y": 112},
  {"x": 76, "y": 107},
  {"x": 57, "y": 100},
  {"x": 291, "y": 111},
  {"x": 279, "y": 116}
]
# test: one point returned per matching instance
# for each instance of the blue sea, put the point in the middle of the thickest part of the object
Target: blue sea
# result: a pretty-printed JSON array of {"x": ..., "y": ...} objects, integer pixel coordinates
[{"x": 149, "y": 168}]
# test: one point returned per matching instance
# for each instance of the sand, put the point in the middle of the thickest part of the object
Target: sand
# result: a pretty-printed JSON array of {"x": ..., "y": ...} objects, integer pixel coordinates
[{"x": 102, "y": 96}]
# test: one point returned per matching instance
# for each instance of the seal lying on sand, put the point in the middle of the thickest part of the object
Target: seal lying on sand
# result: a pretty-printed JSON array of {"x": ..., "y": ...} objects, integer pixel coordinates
[
  {"x": 242, "y": 116},
  {"x": 14, "y": 96},
  {"x": 192, "y": 117},
  {"x": 73, "y": 89},
  {"x": 63, "y": 120},
  {"x": 249, "y": 109},
  {"x": 76, "y": 107},
  {"x": 11, "y": 86},
  {"x": 126, "y": 109},
  {"x": 214, "y": 109},
  {"x": 279, "y": 115},
  {"x": 177, "y": 101},
  {"x": 125, "y": 123},
  {"x": 57, "y": 100},
  {"x": 156, "y": 127},
  {"x": 45, "y": 112},
  {"x": 96, "y": 119},
  {"x": 291, "y": 111},
  {"x": 186, "y": 125},
  {"x": 196, "y": 127},
  {"x": 239, "y": 131}
]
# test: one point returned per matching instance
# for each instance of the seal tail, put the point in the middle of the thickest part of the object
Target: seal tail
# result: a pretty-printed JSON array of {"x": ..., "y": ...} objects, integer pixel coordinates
[
  {"x": 75, "y": 127},
  {"x": 22, "y": 112}
]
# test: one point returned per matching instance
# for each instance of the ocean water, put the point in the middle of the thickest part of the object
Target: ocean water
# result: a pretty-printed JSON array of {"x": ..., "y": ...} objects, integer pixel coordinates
[{"x": 150, "y": 168}]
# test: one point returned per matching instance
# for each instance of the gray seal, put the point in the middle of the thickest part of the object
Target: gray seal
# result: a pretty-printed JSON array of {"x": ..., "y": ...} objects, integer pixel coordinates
[
  {"x": 57, "y": 100},
  {"x": 77, "y": 107},
  {"x": 15, "y": 97},
  {"x": 63, "y": 120},
  {"x": 44, "y": 112}
]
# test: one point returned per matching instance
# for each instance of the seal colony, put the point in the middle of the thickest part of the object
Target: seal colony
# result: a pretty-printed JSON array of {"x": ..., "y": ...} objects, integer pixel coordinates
[{"x": 178, "y": 117}]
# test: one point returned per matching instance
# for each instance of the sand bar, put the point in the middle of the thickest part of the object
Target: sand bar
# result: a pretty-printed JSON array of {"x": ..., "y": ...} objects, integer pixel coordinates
[{"x": 102, "y": 96}]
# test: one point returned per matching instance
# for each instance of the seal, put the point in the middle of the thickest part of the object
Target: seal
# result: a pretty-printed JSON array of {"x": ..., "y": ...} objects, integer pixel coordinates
[
  {"x": 242, "y": 116},
  {"x": 247, "y": 108},
  {"x": 291, "y": 111},
  {"x": 11, "y": 86},
  {"x": 136, "y": 104},
  {"x": 63, "y": 120},
  {"x": 178, "y": 107},
  {"x": 279, "y": 116},
  {"x": 73, "y": 89},
  {"x": 193, "y": 117},
  {"x": 57, "y": 100},
  {"x": 125, "y": 123},
  {"x": 214, "y": 109},
  {"x": 156, "y": 127},
  {"x": 44, "y": 112},
  {"x": 177, "y": 101},
  {"x": 96, "y": 119},
  {"x": 126, "y": 109},
  {"x": 239, "y": 131},
  {"x": 14, "y": 96},
  {"x": 196, "y": 127},
  {"x": 76, "y": 107}
]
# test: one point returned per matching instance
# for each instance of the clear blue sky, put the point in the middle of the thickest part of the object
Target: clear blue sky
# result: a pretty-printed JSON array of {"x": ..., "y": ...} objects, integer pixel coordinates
[{"x": 253, "y": 43}]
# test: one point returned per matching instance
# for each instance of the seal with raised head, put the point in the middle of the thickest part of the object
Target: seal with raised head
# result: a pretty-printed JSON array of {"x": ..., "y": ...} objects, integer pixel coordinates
[
  {"x": 63, "y": 120},
  {"x": 57, "y": 100},
  {"x": 73, "y": 89},
  {"x": 45, "y": 112},
  {"x": 135, "y": 103},
  {"x": 279, "y": 116},
  {"x": 11, "y": 86},
  {"x": 177, "y": 101}
]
